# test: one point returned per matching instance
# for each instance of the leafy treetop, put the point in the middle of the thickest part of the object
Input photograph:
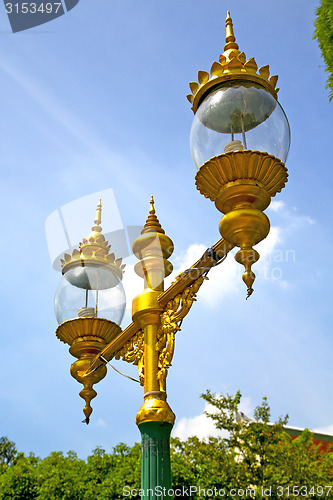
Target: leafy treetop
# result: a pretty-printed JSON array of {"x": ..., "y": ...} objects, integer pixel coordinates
[{"x": 324, "y": 34}]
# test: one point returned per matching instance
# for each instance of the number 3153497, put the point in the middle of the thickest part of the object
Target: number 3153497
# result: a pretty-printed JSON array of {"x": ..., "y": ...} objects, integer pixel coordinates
[{"x": 32, "y": 8}]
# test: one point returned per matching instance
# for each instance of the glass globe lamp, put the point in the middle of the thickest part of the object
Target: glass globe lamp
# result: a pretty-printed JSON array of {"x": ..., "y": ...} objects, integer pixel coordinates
[
  {"x": 237, "y": 116},
  {"x": 90, "y": 291}
]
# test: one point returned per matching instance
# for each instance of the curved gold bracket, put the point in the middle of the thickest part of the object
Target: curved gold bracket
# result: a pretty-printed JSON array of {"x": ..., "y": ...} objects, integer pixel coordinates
[
  {"x": 175, "y": 312},
  {"x": 132, "y": 352}
]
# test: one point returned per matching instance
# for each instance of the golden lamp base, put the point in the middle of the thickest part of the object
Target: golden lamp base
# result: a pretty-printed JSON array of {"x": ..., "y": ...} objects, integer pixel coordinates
[
  {"x": 87, "y": 337},
  {"x": 241, "y": 183},
  {"x": 155, "y": 410}
]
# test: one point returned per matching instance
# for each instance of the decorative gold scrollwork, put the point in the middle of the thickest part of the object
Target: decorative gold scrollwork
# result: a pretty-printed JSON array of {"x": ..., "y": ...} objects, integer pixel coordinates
[
  {"x": 132, "y": 352},
  {"x": 175, "y": 312}
]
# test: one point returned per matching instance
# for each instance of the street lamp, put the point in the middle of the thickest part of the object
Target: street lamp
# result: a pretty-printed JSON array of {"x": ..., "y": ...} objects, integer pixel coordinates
[
  {"x": 239, "y": 140},
  {"x": 89, "y": 305}
]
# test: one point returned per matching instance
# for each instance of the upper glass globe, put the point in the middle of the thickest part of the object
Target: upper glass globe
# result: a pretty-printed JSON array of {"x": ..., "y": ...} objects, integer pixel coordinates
[
  {"x": 90, "y": 291},
  {"x": 239, "y": 115}
]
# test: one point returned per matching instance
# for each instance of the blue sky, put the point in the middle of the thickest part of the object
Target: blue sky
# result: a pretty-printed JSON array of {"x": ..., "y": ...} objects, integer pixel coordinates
[{"x": 96, "y": 100}]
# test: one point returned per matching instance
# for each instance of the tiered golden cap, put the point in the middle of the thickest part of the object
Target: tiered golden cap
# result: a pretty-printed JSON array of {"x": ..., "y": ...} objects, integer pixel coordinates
[
  {"x": 232, "y": 65},
  {"x": 152, "y": 247},
  {"x": 94, "y": 250},
  {"x": 152, "y": 223}
]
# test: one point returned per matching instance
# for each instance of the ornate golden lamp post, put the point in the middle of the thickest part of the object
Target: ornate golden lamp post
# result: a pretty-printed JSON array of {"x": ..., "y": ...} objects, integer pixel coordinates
[{"x": 239, "y": 141}]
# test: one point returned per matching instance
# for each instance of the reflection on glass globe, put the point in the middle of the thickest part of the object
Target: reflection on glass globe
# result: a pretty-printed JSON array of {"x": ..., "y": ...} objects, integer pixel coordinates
[
  {"x": 237, "y": 116},
  {"x": 90, "y": 291}
]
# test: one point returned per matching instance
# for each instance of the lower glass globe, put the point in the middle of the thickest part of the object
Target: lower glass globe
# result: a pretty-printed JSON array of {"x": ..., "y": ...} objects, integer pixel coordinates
[{"x": 90, "y": 291}]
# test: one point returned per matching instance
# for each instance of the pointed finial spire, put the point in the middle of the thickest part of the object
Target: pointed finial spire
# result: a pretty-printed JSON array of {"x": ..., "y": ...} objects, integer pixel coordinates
[
  {"x": 152, "y": 224},
  {"x": 152, "y": 208},
  {"x": 230, "y": 37},
  {"x": 98, "y": 218}
]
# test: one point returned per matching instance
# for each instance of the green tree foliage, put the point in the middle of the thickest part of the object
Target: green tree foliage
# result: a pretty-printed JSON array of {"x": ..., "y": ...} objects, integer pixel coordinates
[
  {"x": 254, "y": 456},
  {"x": 19, "y": 481},
  {"x": 324, "y": 34},
  {"x": 61, "y": 476},
  {"x": 8, "y": 452},
  {"x": 107, "y": 474},
  {"x": 102, "y": 476},
  {"x": 196, "y": 462},
  {"x": 264, "y": 455}
]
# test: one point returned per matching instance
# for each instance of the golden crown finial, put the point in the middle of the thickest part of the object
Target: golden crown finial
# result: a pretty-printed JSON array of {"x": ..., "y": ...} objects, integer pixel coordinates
[
  {"x": 94, "y": 250},
  {"x": 230, "y": 39},
  {"x": 152, "y": 223},
  {"x": 232, "y": 66}
]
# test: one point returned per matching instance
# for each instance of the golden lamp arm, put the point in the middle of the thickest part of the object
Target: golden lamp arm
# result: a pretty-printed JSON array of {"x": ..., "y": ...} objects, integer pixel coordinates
[{"x": 184, "y": 280}]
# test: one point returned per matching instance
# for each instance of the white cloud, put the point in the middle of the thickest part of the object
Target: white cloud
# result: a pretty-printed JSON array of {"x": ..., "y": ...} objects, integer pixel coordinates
[
  {"x": 268, "y": 266},
  {"x": 226, "y": 278},
  {"x": 187, "y": 258},
  {"x": 100, "y": 423},
  {"x": 202, "y": 426},
  {"x": 276, "y": 206},
  {"x": 268, "y": 245},
  {"x": 223, "y": 279}
]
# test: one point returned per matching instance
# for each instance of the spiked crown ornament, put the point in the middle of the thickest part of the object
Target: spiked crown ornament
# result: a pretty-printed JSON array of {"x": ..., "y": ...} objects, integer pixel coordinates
[
  {"x": 232, "y": 65},
  {"x": 94, "y": 251}
]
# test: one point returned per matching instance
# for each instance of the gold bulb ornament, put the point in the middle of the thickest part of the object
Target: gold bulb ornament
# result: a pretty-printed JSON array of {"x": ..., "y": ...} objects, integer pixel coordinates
[{"x": 240, "y": 181}]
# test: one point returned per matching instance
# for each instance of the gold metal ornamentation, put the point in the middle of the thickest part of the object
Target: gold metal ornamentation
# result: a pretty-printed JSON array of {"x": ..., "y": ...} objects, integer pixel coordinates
[
  {"x": 73, "y": 329},
  {"x": 241, "y": 183},
  {"x": 94, "y": 251},
  {"x": 155, "y": 410},
  {"x": 232, "y": 65},
  {"x": 206, "y": 262},
  {"x": 132, "y": 352},
  {"x": 265, "y": 169},
  {"x": 87, "y": 337},
  {"x": 153, "y": 247},
  {"x": 176, "y": 310}
]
